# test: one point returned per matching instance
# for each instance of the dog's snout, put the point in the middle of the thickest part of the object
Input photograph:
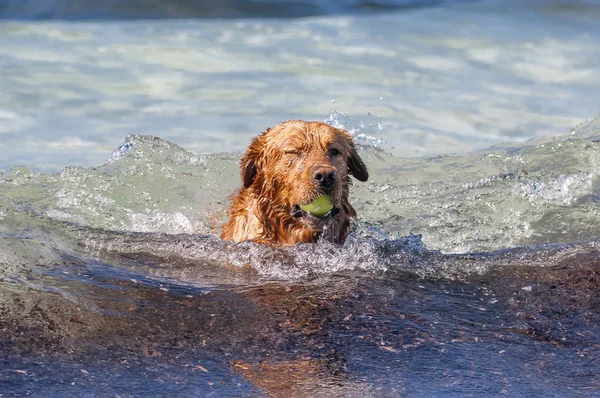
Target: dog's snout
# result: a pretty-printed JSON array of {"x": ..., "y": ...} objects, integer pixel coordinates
[{"x": 324, "y": 175}]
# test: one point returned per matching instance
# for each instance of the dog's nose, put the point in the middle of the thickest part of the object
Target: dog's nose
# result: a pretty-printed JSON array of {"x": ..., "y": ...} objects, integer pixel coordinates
[{"x": 324, "y": 175}]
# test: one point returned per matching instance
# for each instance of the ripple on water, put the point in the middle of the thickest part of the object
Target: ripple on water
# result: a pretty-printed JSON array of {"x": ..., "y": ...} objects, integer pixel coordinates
[{"x": 116, "y": 270}]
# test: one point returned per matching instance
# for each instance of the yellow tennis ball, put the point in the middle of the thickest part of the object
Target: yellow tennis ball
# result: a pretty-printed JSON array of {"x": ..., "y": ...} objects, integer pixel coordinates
[{"x": 318, "y": 207}]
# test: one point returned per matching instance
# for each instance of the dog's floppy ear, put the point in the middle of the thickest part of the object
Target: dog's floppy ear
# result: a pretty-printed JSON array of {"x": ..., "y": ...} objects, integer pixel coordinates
[
  {"x": 250, "y": 165},
  {"x": 356, "y": 166}
]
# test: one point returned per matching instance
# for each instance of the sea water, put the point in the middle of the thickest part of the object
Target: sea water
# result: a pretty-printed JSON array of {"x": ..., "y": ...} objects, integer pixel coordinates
[{"x": 473, "y": 267}]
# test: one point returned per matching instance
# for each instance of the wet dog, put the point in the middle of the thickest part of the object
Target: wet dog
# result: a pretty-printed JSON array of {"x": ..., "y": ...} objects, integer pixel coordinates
[{"x": 287, "y": 167}]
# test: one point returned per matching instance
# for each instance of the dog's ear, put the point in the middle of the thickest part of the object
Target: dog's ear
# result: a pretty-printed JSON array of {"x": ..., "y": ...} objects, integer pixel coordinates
[
  {"x": 250, "y": 165},
  {"x": 356, "y": 166}
]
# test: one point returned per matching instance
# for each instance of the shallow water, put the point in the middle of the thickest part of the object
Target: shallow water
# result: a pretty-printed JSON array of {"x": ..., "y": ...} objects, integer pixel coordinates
[{"x": 475, "y": 273}]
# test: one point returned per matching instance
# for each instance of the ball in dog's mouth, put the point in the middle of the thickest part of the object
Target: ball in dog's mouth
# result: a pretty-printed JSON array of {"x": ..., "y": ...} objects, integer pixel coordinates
[
  {"x": 318, "y": 207},
  {"x": 321, "y": 207}
]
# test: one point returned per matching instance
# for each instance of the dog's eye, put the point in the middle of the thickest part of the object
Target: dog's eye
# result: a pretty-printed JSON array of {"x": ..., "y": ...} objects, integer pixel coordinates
[{"x": 334, "y": 152}]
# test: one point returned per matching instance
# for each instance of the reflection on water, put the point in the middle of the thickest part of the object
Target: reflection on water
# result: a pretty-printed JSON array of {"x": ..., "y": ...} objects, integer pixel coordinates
[{"x": 517, "y": 331}]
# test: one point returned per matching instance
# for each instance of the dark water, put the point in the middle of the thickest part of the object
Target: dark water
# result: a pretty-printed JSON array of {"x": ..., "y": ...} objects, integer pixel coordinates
[
  {"x": 142, "y": 9},
  {"x": 113, "y": 330}
]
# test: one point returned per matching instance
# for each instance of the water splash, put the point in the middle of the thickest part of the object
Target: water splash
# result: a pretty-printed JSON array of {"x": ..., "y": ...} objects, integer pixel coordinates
[
  {"x": 155, "y": 198},
  {"x": 360, "y": 132}
]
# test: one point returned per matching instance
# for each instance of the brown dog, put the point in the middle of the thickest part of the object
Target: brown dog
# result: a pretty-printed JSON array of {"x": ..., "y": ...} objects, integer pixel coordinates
[{"x": 289, "y": 165}]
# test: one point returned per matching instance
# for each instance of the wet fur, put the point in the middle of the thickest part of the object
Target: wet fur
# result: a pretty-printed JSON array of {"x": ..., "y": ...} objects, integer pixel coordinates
[{"x": 277, "y": 174}]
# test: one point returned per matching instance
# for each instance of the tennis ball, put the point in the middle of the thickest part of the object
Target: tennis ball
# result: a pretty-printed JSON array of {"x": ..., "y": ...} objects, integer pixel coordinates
[{"x": 318, "y": 207}]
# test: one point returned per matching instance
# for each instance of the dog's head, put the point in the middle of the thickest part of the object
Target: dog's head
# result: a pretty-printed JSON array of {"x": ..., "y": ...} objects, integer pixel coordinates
[{"x": 295, "y": 162}]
